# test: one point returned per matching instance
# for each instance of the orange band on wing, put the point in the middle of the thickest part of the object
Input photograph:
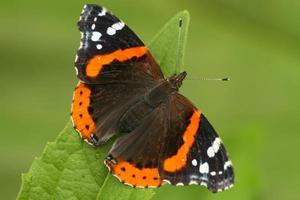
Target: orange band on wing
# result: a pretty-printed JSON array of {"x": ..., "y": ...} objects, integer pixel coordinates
[
  {"x": 133, "y": 176},
  {"x": 178, "y": 161},
  {"x": 97, "y": 62},
  {"x": 81, "y": 118}
]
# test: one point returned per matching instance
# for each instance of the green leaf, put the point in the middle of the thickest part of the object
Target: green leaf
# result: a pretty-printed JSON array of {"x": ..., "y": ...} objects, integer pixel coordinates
[
  {"x": 71, "y": 169},
  {"x": 168, "y": 46}
]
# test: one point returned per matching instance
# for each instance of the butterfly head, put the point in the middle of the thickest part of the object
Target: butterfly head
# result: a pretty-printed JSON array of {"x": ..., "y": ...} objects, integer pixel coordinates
[{"x": 176, "y": 80}]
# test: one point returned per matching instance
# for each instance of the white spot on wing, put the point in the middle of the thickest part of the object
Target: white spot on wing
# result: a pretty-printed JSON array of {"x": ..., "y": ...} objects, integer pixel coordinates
[
  {"x": 93, "y": 26},
  {"x": 111, "y": 31},
  {"x": 128, "y": 184},
  {"x": 114, "y": 28},
  {"x": 216, "y": 144},
  {"x": 87, "y": 141},
  {"x": 99, "y": 46},
  {"x": 193, "y": 183},
  {"x": 151, "y": 186},
  {"x": 194, "y": 162},
  {"x": 118, "y": 26},
  {"x": 227, "y": 164},
  {"x": 106, "y": 165},
  {"x": 179, "y": 184},
  {"x": 96, "y": 36},
  {"x": 210, "y": 152},
  {"x": 117, "y": 177},
  {"x": 213, "y": 173},
  {"x": 204, "y": 184},
  {"x": 76, "y": 71},
  {"x": 204, "y": 168},
  {"x": 103, "y": 12},
  {"x": 84, "y": 7}
]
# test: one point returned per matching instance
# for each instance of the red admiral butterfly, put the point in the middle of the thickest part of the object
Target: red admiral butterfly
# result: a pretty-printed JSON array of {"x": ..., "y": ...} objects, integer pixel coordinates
[{"x": 122, "y": 90}]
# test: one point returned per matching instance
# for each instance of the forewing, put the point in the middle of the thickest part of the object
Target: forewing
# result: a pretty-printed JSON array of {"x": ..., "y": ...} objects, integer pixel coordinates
[
  {"x": 115, "y": 71},
  {"x": 106, "y": 41}
]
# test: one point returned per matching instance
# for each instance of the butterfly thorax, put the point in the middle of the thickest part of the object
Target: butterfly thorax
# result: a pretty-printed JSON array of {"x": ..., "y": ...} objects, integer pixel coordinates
[{"x": 161, "y": 92}]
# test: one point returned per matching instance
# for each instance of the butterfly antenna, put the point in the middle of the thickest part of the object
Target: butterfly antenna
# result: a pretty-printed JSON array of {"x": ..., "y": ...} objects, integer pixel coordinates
[
  {"x": 177, "y": 67},
  {"x": 209, "y": 79},
  {"x": 216, "y": 79}
]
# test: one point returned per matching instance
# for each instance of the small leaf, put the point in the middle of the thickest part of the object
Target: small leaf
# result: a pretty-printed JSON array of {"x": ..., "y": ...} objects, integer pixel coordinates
[
  {"x": 168, "y": 46},
  {"x": 71, "y": 169}
]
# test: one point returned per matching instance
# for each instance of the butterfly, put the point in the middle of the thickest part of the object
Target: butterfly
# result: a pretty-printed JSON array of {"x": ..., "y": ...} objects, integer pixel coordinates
[{"x": 121, "y": 89}]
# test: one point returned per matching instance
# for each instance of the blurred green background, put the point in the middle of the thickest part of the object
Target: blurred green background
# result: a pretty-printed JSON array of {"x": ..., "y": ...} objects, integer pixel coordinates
[{"x": 255, "y": 43}]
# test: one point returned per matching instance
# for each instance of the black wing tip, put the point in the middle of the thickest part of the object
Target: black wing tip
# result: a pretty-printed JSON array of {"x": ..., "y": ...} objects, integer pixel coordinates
[
  {"x": 221, "y": 185},
  {"x": 92, "y": 6},
  {"x": 90, "y": 10}
]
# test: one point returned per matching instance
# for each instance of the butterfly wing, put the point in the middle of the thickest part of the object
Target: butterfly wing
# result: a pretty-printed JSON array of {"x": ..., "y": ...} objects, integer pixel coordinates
[
  {"x": 97, "y": 108},
  {"x": 134, "y": 157},
  {"x": 198, "y": 156},
  {"x": 107, "y": 44},
  {"x": 115, "y": 70},
  {"x": 174, "y": 144}
]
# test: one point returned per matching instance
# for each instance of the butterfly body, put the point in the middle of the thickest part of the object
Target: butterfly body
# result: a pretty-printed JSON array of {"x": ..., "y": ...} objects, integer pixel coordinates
[{"x": 165, "y": 139}]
